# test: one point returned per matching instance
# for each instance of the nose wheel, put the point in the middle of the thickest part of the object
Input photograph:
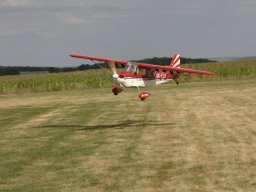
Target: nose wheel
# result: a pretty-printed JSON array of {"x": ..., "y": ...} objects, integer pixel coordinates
[{"x": 117, "y": 90}]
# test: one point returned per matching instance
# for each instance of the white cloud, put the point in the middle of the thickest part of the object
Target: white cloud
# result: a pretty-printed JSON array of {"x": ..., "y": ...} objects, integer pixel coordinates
[
  {"x": 16, "y": 3},
  {"x": 9, "y": 33},
  {"x": 69, "y": 19},
  {"x": 109, "y": 15},
  {"x": 40, "y": 33}
]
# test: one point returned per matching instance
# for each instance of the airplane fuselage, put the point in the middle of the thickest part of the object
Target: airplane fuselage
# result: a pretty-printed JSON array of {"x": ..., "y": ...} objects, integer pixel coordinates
[
  {"x": 126, "y": 79},
  {"x": 140, "y": 82}
]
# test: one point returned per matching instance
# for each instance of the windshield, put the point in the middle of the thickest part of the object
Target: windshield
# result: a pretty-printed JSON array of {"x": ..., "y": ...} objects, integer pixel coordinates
[{"x": 131, "y": 67}]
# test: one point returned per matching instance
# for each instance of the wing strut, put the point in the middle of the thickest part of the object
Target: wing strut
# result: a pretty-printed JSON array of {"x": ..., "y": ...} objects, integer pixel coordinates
[{"x": 100, "y": 65}]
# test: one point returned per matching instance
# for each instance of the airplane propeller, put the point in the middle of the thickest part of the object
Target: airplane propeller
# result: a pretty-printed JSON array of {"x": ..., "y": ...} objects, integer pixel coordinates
[{"x": 112, "y": 66}]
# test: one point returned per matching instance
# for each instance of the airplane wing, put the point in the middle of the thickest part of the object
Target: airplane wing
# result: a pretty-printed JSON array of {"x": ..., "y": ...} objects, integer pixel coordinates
[
  {"x": 92, "y": 58},
  {"x": 168, "y": 68},
  {"x": 143, "y": 65}
]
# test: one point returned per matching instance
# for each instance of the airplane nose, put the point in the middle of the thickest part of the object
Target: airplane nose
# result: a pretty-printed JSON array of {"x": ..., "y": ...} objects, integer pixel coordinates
[{"x": 115, "y": 76}]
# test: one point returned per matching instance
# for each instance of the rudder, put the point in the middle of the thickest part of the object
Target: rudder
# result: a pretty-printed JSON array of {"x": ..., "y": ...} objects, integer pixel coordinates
[{"x": 175, "y": 61}]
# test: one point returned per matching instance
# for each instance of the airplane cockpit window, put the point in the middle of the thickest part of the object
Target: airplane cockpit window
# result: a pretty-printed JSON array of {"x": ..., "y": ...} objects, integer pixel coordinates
[
  {"x": 143, "y": 72},
  {"x": 131, "y": 68},
  {"x": 150, "y": 72}
]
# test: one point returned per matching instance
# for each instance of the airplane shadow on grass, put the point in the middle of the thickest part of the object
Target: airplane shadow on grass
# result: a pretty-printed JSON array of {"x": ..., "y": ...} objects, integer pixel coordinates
[{"x": 120, "y": 125}]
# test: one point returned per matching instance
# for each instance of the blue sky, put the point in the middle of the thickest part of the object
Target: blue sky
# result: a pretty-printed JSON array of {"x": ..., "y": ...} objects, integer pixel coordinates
[{"x": 43, "y": 33}]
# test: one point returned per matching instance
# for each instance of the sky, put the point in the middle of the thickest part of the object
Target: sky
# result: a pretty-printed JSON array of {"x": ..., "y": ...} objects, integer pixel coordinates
[{"x": 45, "y": 32}]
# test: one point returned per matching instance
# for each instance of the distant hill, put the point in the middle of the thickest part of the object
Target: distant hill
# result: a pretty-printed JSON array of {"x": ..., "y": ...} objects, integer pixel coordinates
[
  {"x": 167, "y": 60},
  {"x": 230, "y": 58}
]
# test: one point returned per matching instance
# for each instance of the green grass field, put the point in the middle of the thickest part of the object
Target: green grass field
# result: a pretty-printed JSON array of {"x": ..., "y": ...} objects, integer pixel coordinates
[{"x": 191, "y": 137}]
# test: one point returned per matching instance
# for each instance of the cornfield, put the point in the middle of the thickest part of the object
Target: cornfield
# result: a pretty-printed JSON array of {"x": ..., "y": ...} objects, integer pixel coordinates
[
  {"x": 228, "y": 70},
  {"x": 54, "y": 82},
  {"x": 232, "y": 70}
]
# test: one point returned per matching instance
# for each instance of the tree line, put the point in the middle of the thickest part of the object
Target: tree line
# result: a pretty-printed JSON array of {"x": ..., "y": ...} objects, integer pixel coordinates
[{"x": 16, "y": 70}]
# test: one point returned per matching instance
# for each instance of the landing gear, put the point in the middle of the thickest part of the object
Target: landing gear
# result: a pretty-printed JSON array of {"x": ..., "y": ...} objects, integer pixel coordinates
[
  {"x": 176, "y": 81},
  {"x": 117, "y": 90},
  {"x": 175, "y": 77},
  {"x": 143, "y": 95}
]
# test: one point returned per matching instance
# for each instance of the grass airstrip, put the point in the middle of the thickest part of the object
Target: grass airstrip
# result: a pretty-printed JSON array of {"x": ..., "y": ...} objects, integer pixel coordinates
[{"x": 192, "y": 137}]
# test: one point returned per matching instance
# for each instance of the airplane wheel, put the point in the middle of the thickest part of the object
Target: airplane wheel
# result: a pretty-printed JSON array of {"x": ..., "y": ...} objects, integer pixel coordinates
[
  {"x": 115, "y": 91},
  {"x": 143, "y": 95}
]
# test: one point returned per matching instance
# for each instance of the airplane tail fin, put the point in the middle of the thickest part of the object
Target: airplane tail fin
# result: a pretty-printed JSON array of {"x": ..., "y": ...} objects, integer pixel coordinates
[{"x": 175, "y": 61}]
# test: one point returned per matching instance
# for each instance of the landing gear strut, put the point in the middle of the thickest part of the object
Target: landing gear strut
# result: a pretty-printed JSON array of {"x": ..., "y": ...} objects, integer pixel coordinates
[{"x": 176, "y": 81}]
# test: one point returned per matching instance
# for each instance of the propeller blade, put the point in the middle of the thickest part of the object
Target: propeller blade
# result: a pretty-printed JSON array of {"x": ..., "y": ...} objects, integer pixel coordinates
[{"x": 112, "y": 67}]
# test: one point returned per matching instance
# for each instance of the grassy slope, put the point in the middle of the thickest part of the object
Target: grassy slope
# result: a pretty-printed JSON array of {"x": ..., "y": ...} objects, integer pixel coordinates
[{"x": 192, "y": 137}]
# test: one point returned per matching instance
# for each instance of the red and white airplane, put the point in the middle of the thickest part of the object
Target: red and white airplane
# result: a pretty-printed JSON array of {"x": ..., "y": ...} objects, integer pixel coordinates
[{"x": 143, "y": 74}]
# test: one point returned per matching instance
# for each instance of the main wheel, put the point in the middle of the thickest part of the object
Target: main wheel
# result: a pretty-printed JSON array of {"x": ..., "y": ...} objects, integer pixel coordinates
[{"x": 117, "y": 90}]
